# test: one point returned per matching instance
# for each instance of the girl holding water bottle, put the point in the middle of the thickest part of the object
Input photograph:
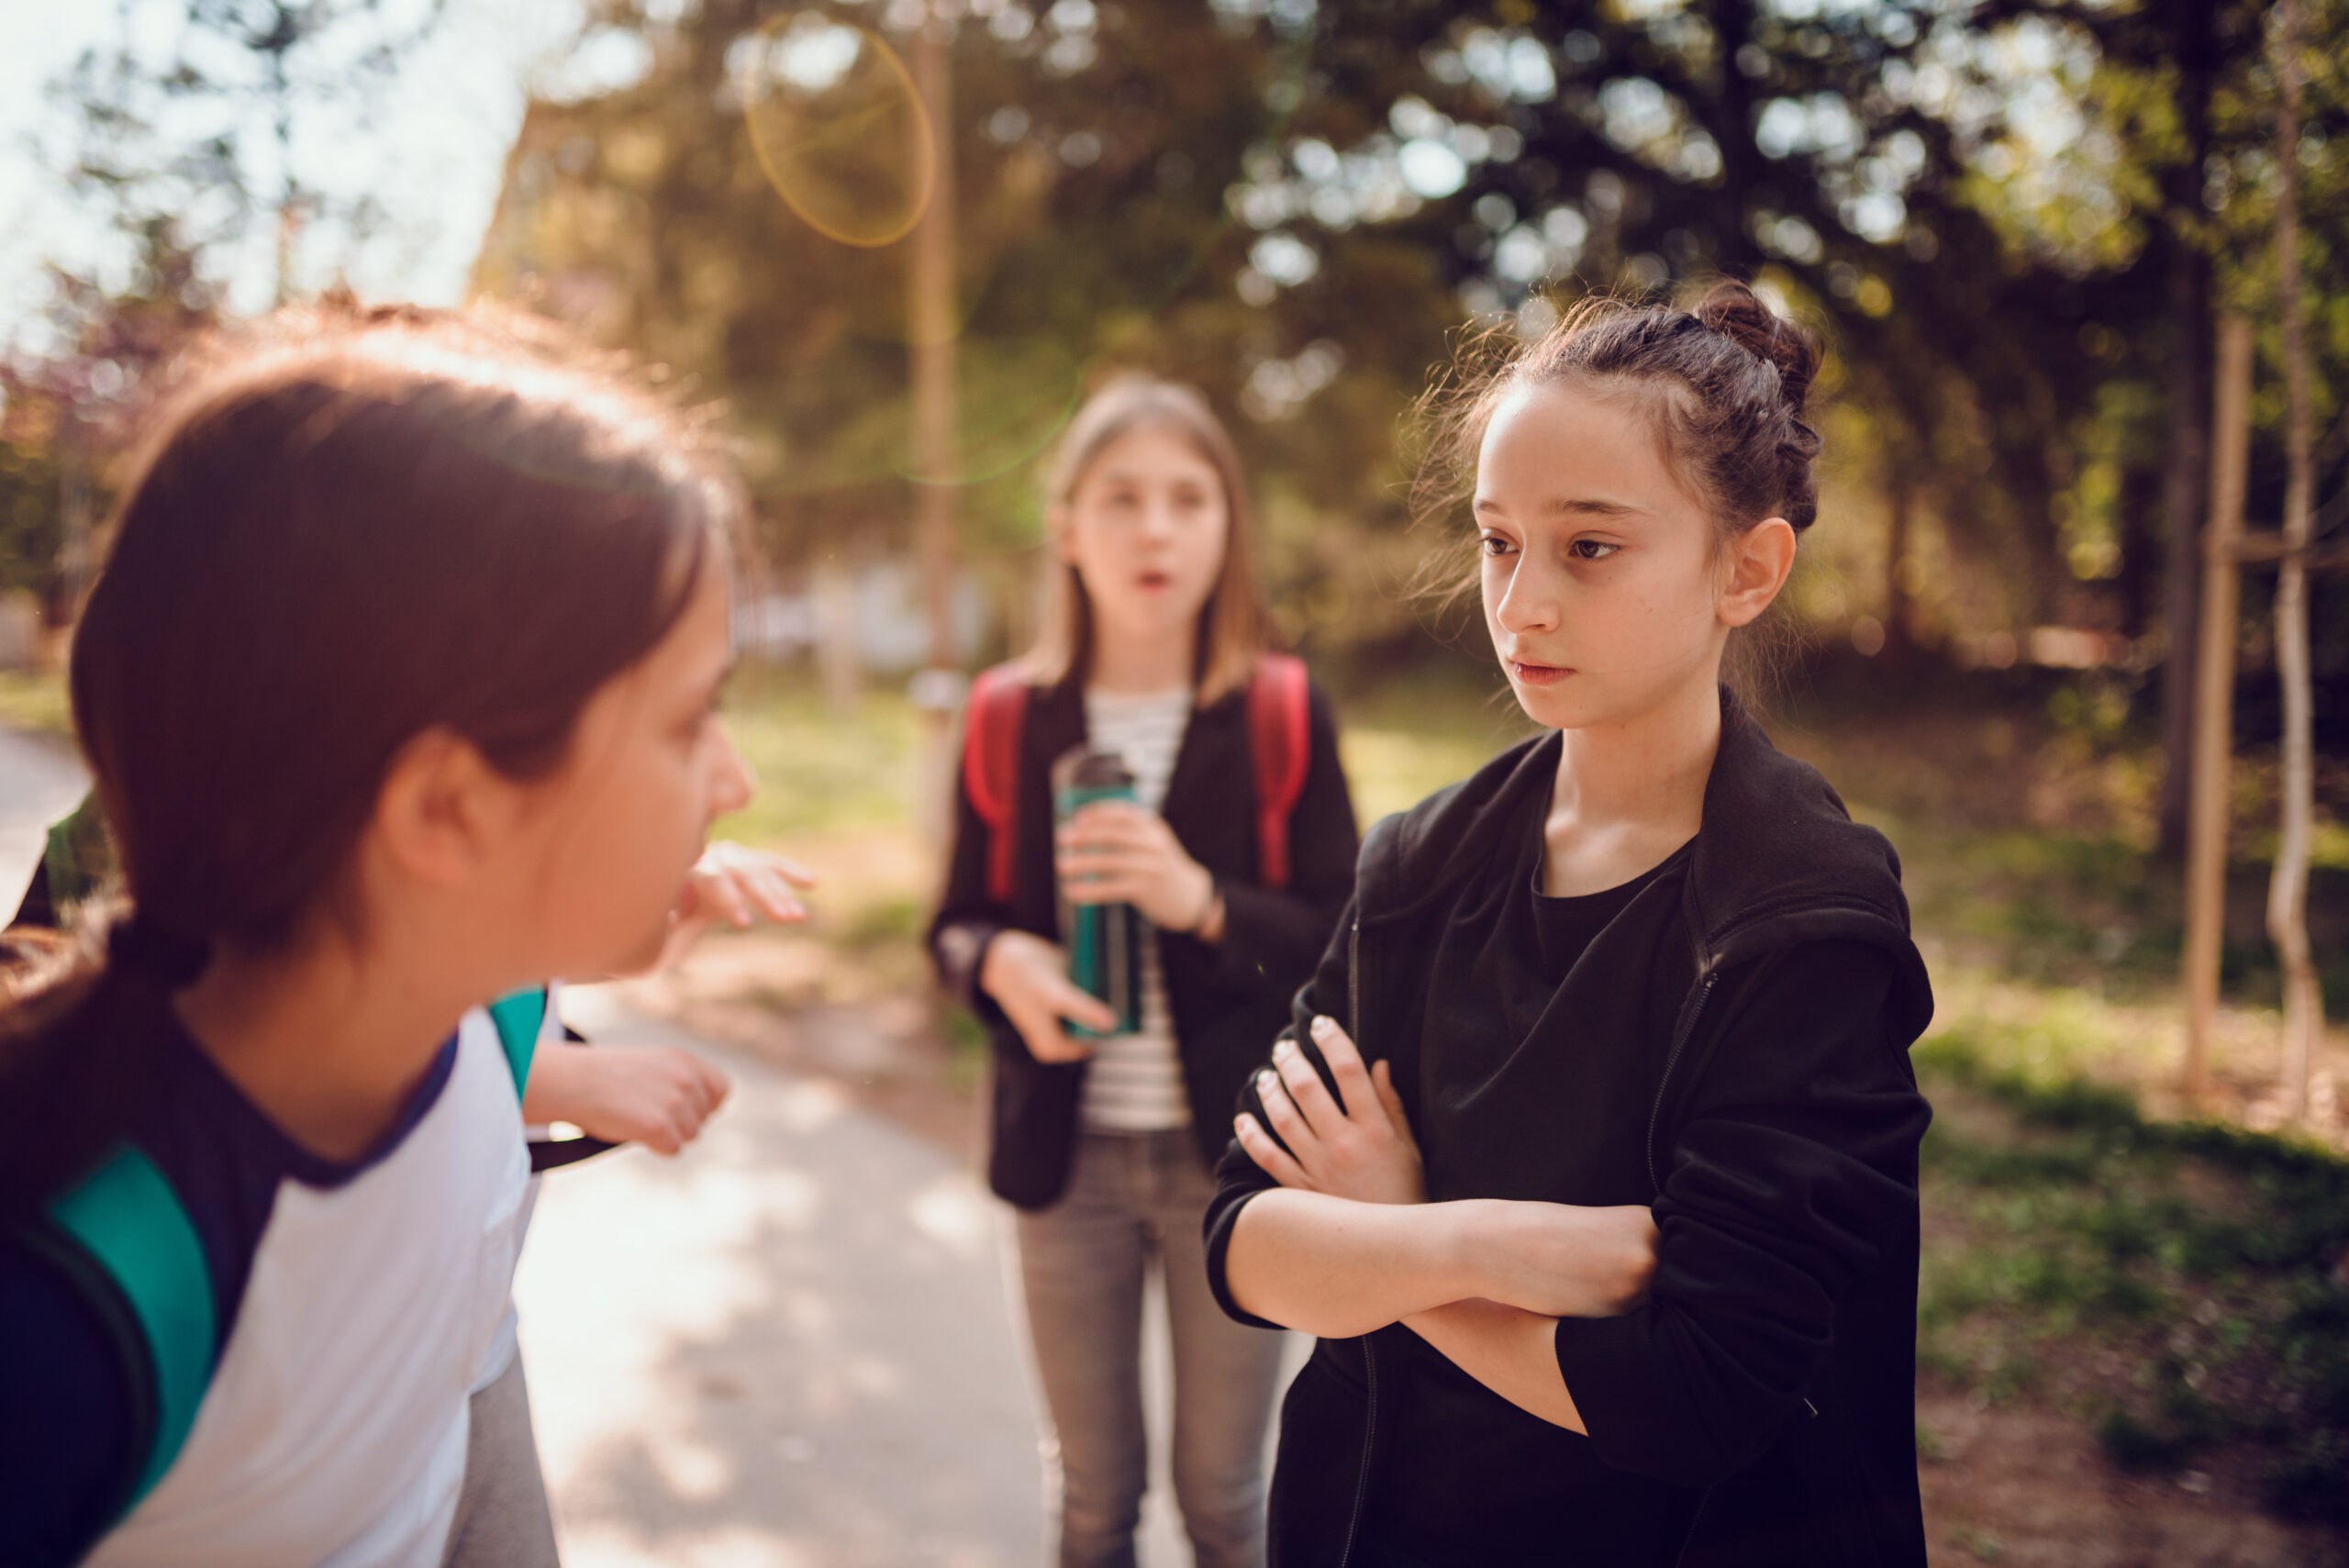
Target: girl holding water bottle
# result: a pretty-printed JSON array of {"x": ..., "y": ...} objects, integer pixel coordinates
[{"x": 1154, "y": 675}]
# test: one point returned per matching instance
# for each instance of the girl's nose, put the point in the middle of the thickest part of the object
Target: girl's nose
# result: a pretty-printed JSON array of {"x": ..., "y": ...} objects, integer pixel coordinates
[
  {"x": 1529, "y": 603},
  {"x": 734, "y": 784}
]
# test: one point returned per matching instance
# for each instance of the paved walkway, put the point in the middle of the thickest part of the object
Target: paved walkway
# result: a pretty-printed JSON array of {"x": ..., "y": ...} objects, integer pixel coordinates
[
  {"x": 789, "y": 1347},
  {"x": 40, "y": 782}
]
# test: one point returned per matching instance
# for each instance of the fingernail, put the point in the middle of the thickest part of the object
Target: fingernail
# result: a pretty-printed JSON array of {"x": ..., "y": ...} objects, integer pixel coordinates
[
  {"x": 1283, "y": 1049},
  {"x": 1264, "y": 1079},
  {"x": 1323, "y": 1024},
  {"x": 1240, "y": 1123}
]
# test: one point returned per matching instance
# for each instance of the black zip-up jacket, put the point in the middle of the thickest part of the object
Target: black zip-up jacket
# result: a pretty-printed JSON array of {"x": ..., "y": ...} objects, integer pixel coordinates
[
  {"x": 1763, "y": 1396},
  {"x": 1228, "y": 1000}
]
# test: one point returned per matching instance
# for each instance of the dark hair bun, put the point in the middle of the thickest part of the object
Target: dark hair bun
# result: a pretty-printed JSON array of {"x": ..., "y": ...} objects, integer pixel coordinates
[{"x": 1737, "y": 313}]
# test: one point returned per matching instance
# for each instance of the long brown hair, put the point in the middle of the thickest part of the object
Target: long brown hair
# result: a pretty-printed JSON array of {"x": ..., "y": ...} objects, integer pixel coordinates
[
  {"x": 1235, "y": 625},
  {"x": 348, "y": 528}
]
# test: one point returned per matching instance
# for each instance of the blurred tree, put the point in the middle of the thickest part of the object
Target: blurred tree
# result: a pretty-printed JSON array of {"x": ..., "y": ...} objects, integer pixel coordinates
[
  {"x": 2006, "y": 217},
  {"x": 66, "y": 415},
  {"x": 190, "y": 113},
  {"x": 1094, "y": 150}
]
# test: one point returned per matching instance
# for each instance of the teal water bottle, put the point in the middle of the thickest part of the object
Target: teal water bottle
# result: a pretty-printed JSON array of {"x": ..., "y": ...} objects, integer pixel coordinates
[{"x": 1104, "y": 941}]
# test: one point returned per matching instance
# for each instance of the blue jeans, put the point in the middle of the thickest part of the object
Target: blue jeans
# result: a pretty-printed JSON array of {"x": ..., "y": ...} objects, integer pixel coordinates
[{"x": 1084, "y": 1263}]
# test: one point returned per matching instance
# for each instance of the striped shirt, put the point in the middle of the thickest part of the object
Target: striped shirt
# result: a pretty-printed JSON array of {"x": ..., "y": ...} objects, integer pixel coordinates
[{"x": 1135, "y": 1083}]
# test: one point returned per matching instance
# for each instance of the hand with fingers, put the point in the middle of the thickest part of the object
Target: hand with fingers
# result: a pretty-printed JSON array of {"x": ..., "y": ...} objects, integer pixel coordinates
[
  {"x": 736, "y": 885},
  {"x": 656, "y": 1095},
  {"x": 1361, "y": 1149},
  {"x": 1027, "y": 977},
  {"x": 1116, "y": 852}
]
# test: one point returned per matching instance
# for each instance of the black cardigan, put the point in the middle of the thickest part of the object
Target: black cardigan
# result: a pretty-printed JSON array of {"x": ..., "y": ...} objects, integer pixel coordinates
[
  {"x": 1769, "y": 1381},
  {"x": 1228, "y": 1000}
]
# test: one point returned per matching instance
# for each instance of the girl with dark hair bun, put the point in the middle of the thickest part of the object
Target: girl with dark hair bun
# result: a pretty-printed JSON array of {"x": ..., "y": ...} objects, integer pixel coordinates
[
  {"x": 1590, "y": 1152},
  {"x": 398, "y": 687}
]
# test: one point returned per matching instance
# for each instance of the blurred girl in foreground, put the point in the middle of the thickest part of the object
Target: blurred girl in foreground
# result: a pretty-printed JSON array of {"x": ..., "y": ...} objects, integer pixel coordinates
[
  {"x": 1154, "y": 647},
  {"x": 398, "y": 689},
  {"x": 1613, "y": 1248}
]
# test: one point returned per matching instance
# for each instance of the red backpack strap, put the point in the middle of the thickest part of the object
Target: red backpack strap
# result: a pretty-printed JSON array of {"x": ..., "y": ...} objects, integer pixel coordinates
[
  {"x": 1280, "y": 740},
  {"x": 991, "y": 765}
]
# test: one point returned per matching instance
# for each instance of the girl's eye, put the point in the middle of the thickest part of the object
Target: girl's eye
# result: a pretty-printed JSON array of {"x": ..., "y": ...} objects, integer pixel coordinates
[
  {"x": 1493, "y": 544},
  {"x": 1592, "y": 550}
]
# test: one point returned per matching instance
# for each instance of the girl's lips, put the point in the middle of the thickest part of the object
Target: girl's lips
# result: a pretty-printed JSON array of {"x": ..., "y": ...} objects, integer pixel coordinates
[
  {"x": 1538, "y": 675},
  {"x": 1154, "y": 580}
]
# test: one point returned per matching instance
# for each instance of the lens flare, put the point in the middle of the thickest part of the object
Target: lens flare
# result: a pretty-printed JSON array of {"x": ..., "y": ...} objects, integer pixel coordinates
[
  {"x": 839, "y": 127},
  {"x": 1013, "y": 398}
]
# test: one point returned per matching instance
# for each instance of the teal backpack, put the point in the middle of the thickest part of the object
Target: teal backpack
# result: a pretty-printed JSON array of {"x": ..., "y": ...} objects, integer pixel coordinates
[{"x": 127, "y": 1244}]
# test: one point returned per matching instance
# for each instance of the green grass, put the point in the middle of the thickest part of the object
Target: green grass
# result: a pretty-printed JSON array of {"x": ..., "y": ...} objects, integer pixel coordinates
[
  {"x": 820, "y": 774},
  {"x": 1405, "y": 741},
  {"x": 2171, "y": 1284},
  {"x": 35, "y": 700}
]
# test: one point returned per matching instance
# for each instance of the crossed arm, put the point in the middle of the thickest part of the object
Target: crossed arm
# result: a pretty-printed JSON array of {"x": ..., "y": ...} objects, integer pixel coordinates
[{"x": 1349, "y": 1243}]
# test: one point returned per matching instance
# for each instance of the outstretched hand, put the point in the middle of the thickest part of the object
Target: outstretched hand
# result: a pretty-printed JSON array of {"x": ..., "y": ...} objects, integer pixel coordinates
[
  {"x": 1362, "y": 1151},
  {"x": 736, "y": 885}
]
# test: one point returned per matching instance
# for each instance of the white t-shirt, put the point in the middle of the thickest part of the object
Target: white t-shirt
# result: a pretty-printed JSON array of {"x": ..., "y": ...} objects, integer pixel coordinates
[
  {"x": 333, "y": 1433},
  {"x": 1135, "y": 1082}
]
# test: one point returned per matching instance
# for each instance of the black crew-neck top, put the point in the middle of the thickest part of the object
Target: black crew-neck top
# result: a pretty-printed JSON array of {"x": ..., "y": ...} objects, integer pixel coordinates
[{"x": 1565, "y": 927}]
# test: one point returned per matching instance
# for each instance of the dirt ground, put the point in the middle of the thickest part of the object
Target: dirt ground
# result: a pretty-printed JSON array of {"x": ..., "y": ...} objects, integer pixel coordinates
[{"x": 2024, "y": 1488}]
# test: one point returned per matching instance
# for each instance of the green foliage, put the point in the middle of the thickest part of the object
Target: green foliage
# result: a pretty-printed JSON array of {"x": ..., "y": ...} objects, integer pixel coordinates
[
  {"x": 31, "y": 522},
  {"x": 1294, "y": 206},
  {"x": 2069, "y": 1228}
]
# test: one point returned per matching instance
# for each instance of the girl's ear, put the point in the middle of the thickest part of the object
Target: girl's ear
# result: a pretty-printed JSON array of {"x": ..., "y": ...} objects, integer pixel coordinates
[
  {"x": 441, "y": 810},
  {"x": 1759, "y": 561}
]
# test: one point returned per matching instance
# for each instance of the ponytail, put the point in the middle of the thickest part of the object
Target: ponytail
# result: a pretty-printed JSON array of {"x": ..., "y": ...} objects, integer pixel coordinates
[{"x": 80, "y": 1065}]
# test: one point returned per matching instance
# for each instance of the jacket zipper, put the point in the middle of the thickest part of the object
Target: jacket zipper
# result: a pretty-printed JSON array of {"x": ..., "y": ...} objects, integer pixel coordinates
[
  {"x": 1679, "y": 1043},
  {"x": 1695, "y": 1519},
  {"x": 1369, "y": 1354},
  {"x": 1656, "y": 1112}
]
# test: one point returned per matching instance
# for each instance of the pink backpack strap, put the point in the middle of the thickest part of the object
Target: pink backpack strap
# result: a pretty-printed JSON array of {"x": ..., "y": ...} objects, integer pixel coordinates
[
  {"x": 991, "y": 766},
  {"x": 1280, "y": 740}
]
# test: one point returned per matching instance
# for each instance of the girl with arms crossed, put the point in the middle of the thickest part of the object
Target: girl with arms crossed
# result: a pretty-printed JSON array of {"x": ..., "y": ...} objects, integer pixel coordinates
[
  {"x": 1155, "y": 647},
  {"x": 1613, "y": 1248},
  {"x": 398, "y": 692}
]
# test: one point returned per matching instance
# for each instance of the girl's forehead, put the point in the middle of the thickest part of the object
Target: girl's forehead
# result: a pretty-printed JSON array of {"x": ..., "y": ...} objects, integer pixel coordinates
[
  {"x": 1571, "y": 443},
  {"x": 1147, "y": 450}
]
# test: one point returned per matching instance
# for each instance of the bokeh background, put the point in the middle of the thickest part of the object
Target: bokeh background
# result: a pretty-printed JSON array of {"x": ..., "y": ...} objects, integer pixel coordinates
[{"x": 895, "y": 241}]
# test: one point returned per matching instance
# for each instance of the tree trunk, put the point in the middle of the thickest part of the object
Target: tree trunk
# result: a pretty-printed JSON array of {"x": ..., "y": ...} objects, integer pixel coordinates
[
  {"x": 2185, "y": 499},
  {"x": 1899, "y": 496},
  {"x": 2210, "y": 751},
  {"x": 937, "y": 460},
  {"x": 2287, "y": 891},
  {"x": 2138, "y": 499}
]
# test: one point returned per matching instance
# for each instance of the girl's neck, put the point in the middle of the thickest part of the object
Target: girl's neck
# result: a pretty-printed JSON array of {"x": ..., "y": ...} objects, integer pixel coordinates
[
  {"x": 1140, "y": 665},
  {"x": 328, "y": 1047},
  {"x": 1628, "y": 794}
]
